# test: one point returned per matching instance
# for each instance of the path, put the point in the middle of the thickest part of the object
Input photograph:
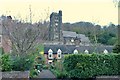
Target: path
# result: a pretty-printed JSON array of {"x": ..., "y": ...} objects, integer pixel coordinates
[{"x": 46, "y": 74}]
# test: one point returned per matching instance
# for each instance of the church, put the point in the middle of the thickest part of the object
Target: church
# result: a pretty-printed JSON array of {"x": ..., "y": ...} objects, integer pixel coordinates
[
  {"x": 58, "y": 35},
  {"x": 67, "y": 42}
]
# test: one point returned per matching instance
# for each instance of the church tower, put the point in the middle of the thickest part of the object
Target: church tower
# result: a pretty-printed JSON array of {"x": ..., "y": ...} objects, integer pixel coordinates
[{"x": 55, "y": 27}]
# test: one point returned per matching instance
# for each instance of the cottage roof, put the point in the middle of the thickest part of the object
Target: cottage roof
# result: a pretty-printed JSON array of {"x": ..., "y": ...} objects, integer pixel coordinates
[
  {"x": 64, "y": 48},
  {"x": 69, "y": 49}
]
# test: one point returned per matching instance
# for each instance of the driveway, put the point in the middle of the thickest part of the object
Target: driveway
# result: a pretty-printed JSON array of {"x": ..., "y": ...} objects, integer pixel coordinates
[{"x": 46, "y": 74}]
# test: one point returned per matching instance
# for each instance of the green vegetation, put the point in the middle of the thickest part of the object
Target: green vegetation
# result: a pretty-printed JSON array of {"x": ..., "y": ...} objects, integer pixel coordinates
[
  {"x": 91, "y": 65},
  {"x": 1, "y": 51},
  {"x": 6, "y": 62},
  {"x": 116, "y": 49},
  {"x": 23, "y": 63},
  {"x": 58, "y": 69},
  {"x": 106, "y": 35}
]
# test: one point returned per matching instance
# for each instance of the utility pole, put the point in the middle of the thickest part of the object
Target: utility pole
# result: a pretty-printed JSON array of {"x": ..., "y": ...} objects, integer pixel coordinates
[
  {"x": 117, "y": 4},
  {"x": 30, "y": 14},
  {"x": 119, "y": 23}
]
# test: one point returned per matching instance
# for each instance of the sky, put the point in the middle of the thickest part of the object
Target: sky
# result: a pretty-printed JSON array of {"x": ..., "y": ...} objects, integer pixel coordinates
[{"x": 96, "y": 11}]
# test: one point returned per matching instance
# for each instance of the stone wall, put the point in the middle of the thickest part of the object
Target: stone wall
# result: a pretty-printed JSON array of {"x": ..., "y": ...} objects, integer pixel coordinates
[
  {"x": 107, "y": 78},
  {"x": 24, "y": 75}
]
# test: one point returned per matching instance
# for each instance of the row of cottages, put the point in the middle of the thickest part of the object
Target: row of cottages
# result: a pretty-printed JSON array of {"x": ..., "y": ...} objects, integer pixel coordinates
[{"x": 52, "y": 52}]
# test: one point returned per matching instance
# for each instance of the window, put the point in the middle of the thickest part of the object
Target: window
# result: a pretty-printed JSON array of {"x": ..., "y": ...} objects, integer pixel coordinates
[
  {"x": 50, "y": 61},
  {"x": 58, "y": 55},
  {"x": 75, "y": 51},
  {"x": 50, "y": 54},
  {"x": 86, "y": 51},
  {"x": 59, "y": 52},
  {"x": 105, "y": 51}
]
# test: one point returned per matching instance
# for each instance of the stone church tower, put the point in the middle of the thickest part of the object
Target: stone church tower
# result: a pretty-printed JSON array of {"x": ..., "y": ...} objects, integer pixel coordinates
[{"x": 55, "y": 27}]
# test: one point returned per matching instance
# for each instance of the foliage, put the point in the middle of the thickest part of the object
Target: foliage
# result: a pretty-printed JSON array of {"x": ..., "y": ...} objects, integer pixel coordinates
[
  {"x": 91, "y": 65},
  {"x": 107, "y": 38},
  {"x": 116, "y": 49},
  {"x": 23, "y": 63},
  {"x": 6, "y": 62},
  {"x": 45, "y": 66},
  {"x": 60, "y": 74},
  {"x": 105, "y": 34},
  {"x": 33, "y": 73},
  {"x": 58, "y": 69},
  {"x": 38, "y": 59},
  {"x": 27, "y": 62},
  {"x": 39, "y": 47},
  {"x": 1, "y": 51}
]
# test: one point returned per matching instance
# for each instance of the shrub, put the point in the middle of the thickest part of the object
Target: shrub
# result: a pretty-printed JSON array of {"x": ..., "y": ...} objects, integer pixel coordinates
[
  {"x": 33, "y": 73},
  {"x": 116, "y": 49},
  {"x": 22, "y": 63},
  {"x": 6, "y": 62},
  {"x": 91, "y": 65},
  {"x": 60, "y": 74},
  {"x": 45, "y": 66}
]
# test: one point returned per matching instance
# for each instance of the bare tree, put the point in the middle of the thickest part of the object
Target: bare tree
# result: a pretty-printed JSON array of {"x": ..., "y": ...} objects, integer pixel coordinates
[{"x": 23, "y": 36}]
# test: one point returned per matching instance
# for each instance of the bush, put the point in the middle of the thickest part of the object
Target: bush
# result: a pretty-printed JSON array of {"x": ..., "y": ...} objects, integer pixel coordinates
[
  {"x": 91, "y": 65},
  {"x": 22, "y": 63},
  {"x": 6, "y": 62},
  {"x": 33, "y": 73},
  {"x": 59, "y": 74},
  {"x": 58, "y": 69},
  {"x": 116, "y": 49},
  {"x": 45, "y": 66}
]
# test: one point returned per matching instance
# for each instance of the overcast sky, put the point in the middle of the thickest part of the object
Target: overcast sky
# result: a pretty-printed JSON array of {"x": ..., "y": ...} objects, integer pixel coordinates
[{"x": 99, "y": 11}]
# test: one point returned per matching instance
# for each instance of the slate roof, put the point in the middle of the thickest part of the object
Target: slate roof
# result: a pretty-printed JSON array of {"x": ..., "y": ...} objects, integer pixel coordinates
[
  {"x": 65, "y": 49},
  {"x": 69, "y": 34},
  {"x": 70, "y": 49},
  {"x": 83, "y": 38}
]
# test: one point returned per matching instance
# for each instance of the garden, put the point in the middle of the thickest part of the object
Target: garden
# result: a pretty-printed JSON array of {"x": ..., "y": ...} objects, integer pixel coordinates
[{"x": 11, "y": 63}]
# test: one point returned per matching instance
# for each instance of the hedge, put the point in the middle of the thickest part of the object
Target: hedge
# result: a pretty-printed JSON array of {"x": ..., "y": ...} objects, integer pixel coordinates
[
  {"x": 6, "y": 62},
  {"x": 91, "y": 65}
]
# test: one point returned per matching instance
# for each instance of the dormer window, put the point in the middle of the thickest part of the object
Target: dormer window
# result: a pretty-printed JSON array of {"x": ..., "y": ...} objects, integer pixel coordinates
[
  {"x": 59, "y": 54},
  {"x": 50, "y": 54},
  {"x": 72, "y": 40},
  {"x": 75, "y": 51},
  {"x": 105, "y": 51},
  {"x": 86, "y": 51}
]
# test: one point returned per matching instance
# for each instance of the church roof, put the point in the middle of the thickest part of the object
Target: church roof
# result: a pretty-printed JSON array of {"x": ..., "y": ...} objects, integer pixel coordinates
[
  {"x": 69, "y": 34},
  {"x": 83, "y": 38}
]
